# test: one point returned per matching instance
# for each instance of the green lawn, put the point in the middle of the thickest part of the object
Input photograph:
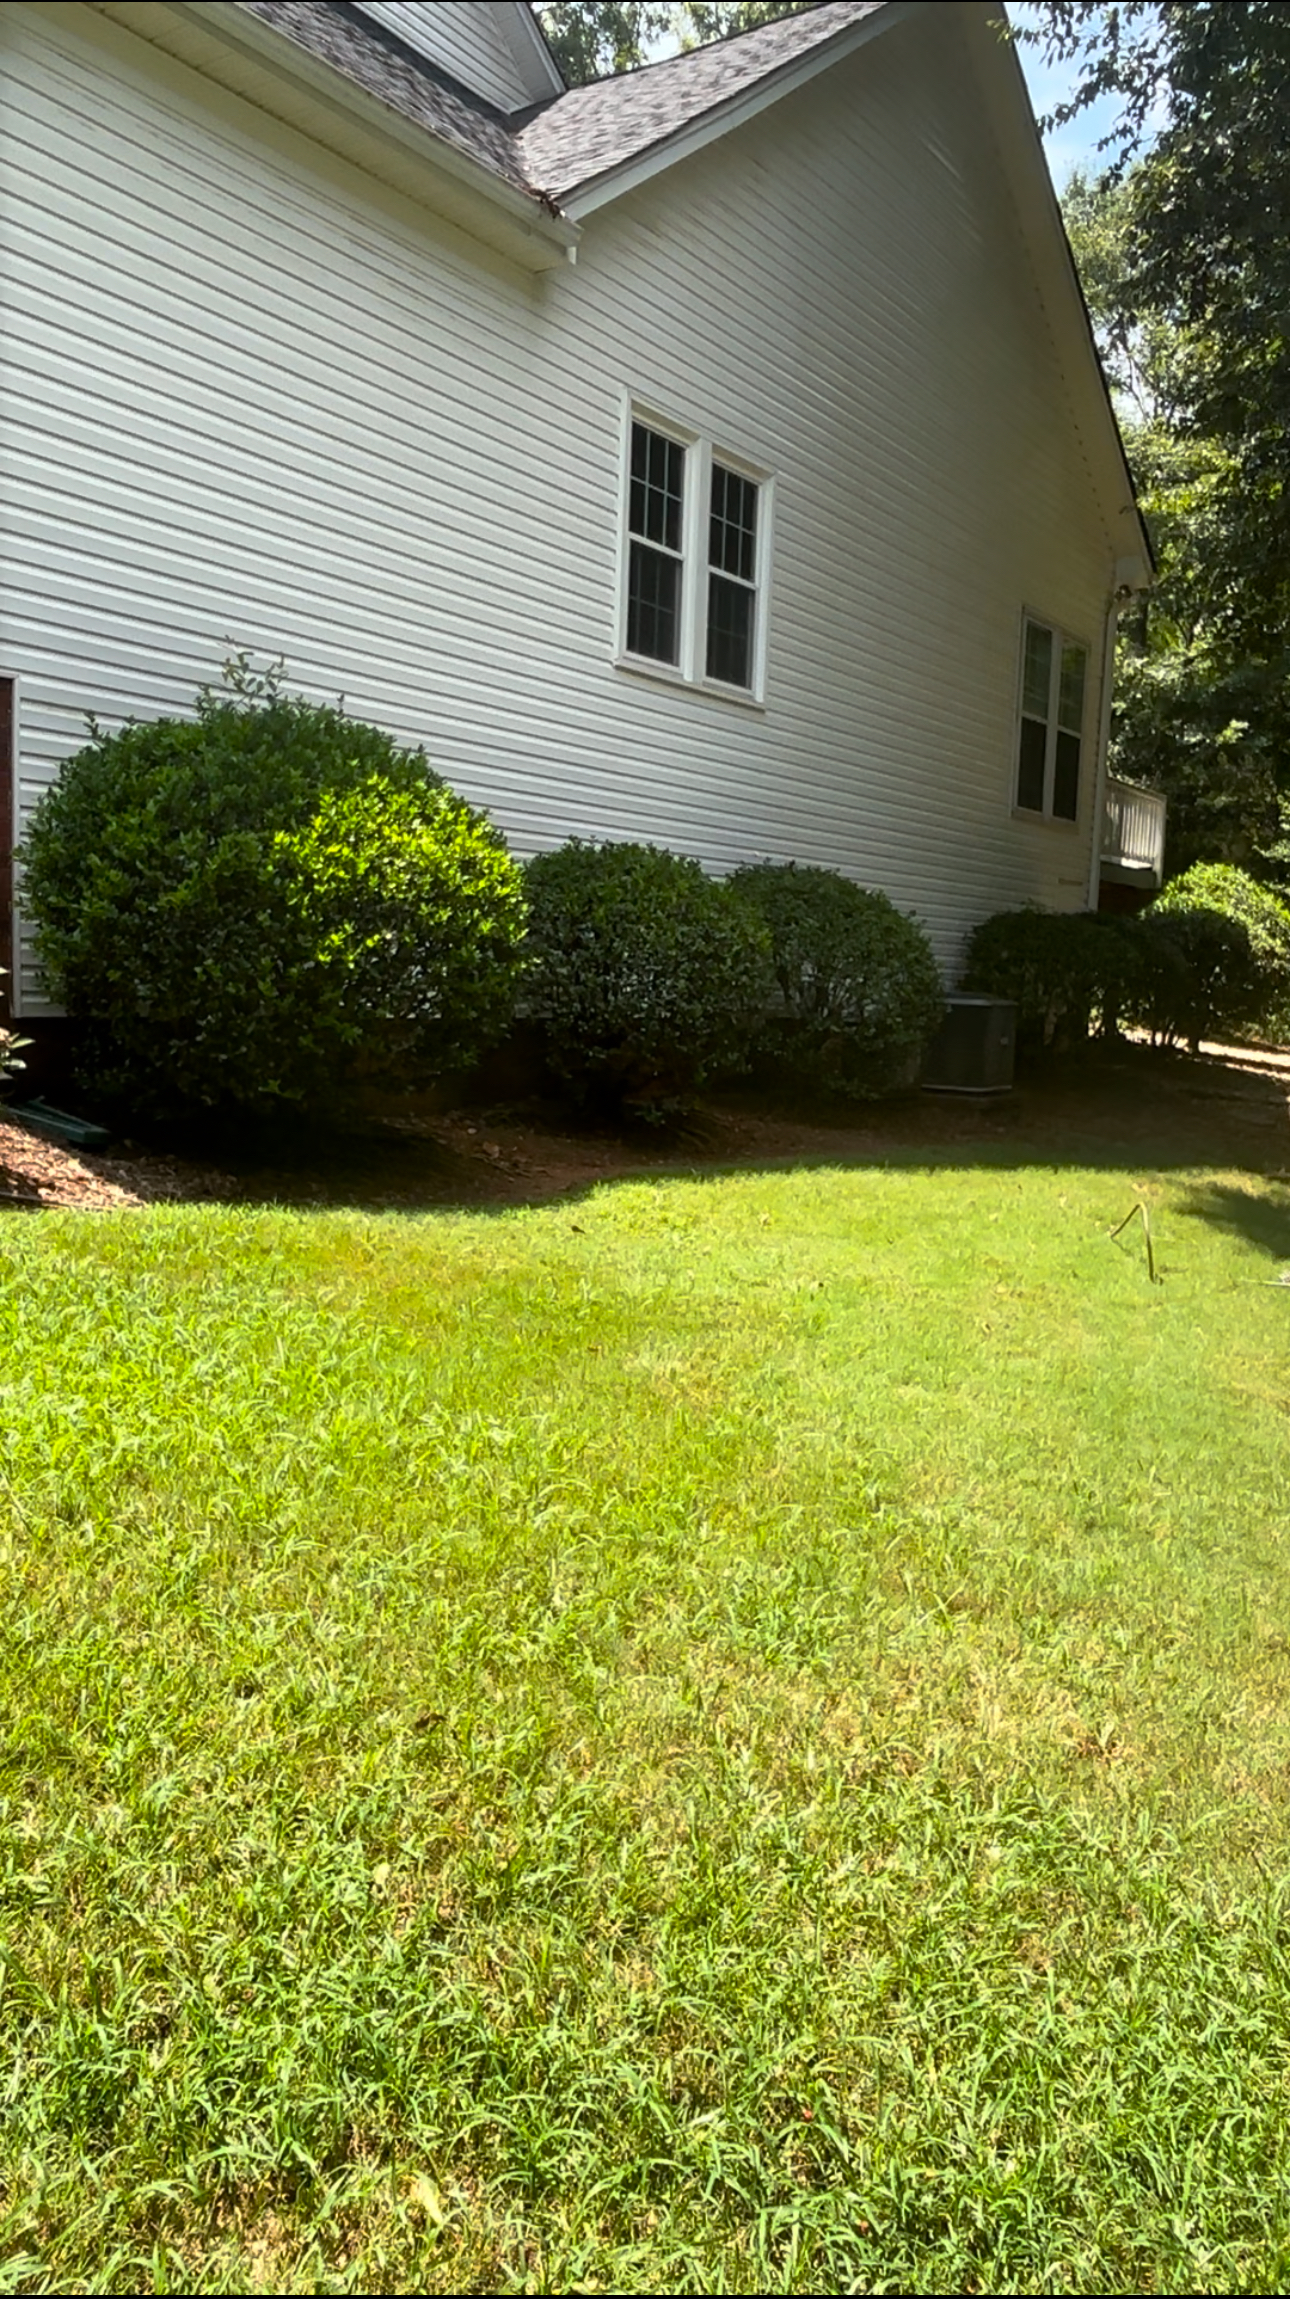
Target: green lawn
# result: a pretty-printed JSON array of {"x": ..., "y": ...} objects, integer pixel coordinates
[{"x": 729, "y": 1734}]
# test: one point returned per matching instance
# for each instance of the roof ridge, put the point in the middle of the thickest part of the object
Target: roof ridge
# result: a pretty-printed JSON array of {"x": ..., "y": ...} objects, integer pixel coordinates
[{"x": 793, "y": 9}]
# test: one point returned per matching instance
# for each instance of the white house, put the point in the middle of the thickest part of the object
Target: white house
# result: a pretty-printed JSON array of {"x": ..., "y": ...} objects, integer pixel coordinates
[{"x": 716, "y": 455}]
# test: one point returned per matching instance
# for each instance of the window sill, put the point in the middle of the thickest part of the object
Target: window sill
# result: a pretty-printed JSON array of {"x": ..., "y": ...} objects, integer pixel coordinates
[{"x": 712, "y": 690}]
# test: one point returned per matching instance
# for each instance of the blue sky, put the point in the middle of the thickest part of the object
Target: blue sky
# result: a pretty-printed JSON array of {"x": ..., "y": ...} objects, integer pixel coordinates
[{"x": 1075, "y": 146}]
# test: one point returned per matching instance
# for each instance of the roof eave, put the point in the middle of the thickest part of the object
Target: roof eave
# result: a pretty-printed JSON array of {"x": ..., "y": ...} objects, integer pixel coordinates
[
  {"x": 582, "y": 199},
  {"x": 270, "y": 69}
]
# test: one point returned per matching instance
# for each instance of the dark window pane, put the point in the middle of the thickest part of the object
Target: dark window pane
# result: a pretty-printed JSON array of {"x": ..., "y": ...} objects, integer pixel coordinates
[
  {"x": 1066, "y": 777},
  {"x": 1036, "y": 679},
  {"x": 653, "y": 604},
  {"x": 1030, "y": 769},
  {"x": 1070, "y": 708},
  {"x": 732, "y": 545},
  {"x": 657, "y": 486},
  {"x": 730, "y": 631}
]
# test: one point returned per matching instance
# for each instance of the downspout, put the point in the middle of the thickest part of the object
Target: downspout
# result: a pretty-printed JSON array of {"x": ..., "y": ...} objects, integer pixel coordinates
[{"x": 1119, "y": 599}]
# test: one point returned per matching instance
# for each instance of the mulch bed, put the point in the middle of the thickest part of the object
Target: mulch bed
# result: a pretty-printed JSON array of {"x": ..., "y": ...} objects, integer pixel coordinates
[{"x": 1227, "y": 1107}]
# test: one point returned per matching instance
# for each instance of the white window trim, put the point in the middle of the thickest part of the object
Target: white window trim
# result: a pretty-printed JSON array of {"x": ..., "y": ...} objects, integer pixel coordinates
[
  {"x": 1062, "y": 638},
  {"x": 701, "y": 452}
]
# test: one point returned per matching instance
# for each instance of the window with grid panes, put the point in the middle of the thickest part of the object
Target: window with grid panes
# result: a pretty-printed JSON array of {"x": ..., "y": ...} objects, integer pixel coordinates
[
  {"x": 1054, "y": 678},
  {"x": 654, "y": 571},
  {"x": 695, "y": 546},
  {"x": 732, "y": 577}
]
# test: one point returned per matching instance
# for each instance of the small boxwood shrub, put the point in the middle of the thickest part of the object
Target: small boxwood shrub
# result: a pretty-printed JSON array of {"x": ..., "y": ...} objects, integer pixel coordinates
[
  {"x": 859, "y": 990},
  {"x": 1066, "y": 971},
  {"x": 250, "y": 907},
  {"x": 644, "y": 972}
]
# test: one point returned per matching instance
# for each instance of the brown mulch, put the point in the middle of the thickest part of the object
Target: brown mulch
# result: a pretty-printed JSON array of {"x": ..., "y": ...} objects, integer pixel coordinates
[
  {"x": 35, "y": 1173},
  {"x": 1229, "y": 1107}
]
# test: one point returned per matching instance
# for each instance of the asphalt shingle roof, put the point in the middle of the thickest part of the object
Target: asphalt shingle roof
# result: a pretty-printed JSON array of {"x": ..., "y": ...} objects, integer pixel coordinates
[
  {"x": 588, "y": 131},
  {"x": 410, "y": 85},
  {"x": 577, "y": 136}
]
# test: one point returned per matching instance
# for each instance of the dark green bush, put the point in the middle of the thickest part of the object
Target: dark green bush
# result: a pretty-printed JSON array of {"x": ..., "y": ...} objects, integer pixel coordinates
[
  {"x": 1066, "y": 971},
  {"x": 252, "y": 906},
  {"x": 1198, "y": 976},
  {"x": 1183, "y": 970},
  {"x": 1246, "y": 991},
  {"x": 644, "y": 971},
  {"x": 859, "y": 990}
]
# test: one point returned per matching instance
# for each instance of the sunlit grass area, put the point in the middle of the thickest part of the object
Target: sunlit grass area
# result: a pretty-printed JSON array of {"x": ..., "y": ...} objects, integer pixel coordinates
[{"x": 733, "y": 1733}]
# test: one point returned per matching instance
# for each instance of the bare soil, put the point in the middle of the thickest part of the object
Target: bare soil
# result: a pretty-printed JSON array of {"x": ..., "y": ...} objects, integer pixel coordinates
[{"x": 1228, "y": 1107}]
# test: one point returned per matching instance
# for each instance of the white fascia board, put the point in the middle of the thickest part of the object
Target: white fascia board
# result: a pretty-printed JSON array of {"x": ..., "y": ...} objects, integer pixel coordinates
[
  {"x": 598, "y": 191},
  {"x": 532, "y": 56},
  {"x": 445, "y": 178}
]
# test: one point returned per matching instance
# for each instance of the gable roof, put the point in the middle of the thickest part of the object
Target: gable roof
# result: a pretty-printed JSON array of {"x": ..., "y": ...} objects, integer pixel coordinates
[
  {"x": 593, "y": 131},
  {"x": 583, "y": 134}
]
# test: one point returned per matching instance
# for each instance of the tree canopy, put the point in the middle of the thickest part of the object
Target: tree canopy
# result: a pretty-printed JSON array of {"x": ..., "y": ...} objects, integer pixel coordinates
[{"x": 1184, "y": 248}]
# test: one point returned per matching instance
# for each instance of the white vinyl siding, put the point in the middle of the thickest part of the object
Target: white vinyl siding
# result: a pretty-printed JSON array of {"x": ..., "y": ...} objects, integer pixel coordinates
[
  {"x": 249, "y": 399},
  {"x": 467, "y": 38}
]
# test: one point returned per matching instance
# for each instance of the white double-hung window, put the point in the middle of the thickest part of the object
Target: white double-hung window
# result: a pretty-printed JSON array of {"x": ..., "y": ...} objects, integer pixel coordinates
[
  {"x": 696, "y": 539},
  {"x": 1050, "y": 738}
]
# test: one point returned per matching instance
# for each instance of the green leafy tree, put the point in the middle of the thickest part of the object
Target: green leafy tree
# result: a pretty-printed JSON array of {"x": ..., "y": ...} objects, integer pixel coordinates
[
  {"x": 1200, "y": 712},
  {"x": 1208, "y": 241},
  {"x": 591, "y": 42},
  {"x": 1184, "y": 249}
]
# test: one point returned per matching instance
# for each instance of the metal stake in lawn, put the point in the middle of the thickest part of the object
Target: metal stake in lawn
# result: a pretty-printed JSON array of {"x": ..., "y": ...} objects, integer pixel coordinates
[{"x": 1146, "y": 1231}]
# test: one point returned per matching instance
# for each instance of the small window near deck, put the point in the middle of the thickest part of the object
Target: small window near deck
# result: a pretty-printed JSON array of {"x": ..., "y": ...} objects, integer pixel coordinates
[
  {"x": 655, "y": 522},
  {"x": 1054, "y": 676}
]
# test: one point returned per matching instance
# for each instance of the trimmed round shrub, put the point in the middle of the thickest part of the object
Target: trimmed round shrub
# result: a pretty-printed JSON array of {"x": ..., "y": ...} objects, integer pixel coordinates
[
  {"x": 1244, "y": 992},
  {"x": 644, "y": 972},
  {"x": 1199, "y": 976},
  {"x": 252, "y": 907},
  {"x": 1064, "y": 970},
  {"x": 859, "y": 991}
]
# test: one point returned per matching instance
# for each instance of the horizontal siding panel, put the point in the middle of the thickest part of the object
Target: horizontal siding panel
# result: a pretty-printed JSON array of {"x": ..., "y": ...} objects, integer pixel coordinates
[{"x": 250, "y": 400}]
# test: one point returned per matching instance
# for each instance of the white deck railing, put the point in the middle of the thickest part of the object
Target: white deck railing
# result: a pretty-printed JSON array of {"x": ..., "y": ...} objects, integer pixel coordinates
[{"x": 1133, "y": 827}]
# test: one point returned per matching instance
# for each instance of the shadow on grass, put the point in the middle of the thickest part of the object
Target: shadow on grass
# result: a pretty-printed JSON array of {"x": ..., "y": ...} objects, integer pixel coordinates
[
  {"x": 1131, "y": 1111},
  {"x": 1262, "y": 1221}
]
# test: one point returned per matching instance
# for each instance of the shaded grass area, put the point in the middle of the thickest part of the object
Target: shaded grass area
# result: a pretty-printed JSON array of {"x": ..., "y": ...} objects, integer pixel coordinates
[{"x": 729, "y": 1736}]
